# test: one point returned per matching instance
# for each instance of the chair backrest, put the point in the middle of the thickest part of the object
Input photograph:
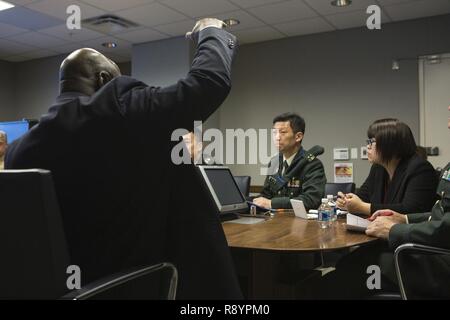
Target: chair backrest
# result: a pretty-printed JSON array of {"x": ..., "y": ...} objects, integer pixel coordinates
[
  {"x": 243, "y": 183},
  {"x": 432, "y": 263},
  {"x": 334, "y": 188},
  {"x": 157, "y": 282},
  {"x": 34, "y": 256}
]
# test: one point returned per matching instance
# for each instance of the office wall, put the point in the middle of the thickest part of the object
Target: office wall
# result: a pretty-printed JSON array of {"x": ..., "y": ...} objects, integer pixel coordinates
[
  {"x": 7, "y": 103},
  {"x": 160, "y": 63},
  {"x": 339, "y": 81},
  {"x": 125, "y": 68},
  {"x": 163, "y": 63},
  {"x": 36, "y": 85}
]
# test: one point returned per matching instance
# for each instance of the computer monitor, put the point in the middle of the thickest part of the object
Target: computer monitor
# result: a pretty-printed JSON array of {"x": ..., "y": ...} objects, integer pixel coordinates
[
  {"x": 224, "y": 190},
  {"x": 14, "y": 130}
]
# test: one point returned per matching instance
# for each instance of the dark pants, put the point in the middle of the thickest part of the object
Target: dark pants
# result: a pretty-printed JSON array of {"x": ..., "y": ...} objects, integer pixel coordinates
[
  {"x": 424, "y": 277},
  {"x": 351, "y": 277}
]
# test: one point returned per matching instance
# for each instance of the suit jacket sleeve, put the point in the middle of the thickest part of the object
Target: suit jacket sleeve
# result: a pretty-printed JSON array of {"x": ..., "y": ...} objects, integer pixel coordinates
[
  {"x": 418, "y": 217},
  {"x": 266, "y": 193},
  {"x": 432, "y": 233},
  {"x": 313, "y": 188},
  {"x": 195, "y": 97}
]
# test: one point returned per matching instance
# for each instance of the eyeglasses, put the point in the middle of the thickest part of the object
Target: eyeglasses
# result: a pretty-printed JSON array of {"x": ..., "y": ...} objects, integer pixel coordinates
[{"x": 371, "y": 141}]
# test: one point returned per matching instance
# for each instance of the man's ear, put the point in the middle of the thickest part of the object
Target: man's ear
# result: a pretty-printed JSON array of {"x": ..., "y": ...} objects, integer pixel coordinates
[
  {"x": 103, "y": 78},
  {"x": 298, "y": 136}
]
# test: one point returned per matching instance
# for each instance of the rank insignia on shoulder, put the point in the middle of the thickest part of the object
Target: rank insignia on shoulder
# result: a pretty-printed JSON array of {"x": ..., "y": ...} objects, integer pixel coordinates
[
  {"x": 310, "y": 157},
  {"x": 446, "y": 175}
]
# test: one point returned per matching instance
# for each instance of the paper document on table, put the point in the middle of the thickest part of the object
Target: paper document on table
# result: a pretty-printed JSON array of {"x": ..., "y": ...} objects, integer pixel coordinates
[
  {"x": 246, "y": 220},
  {"x": 356, "y": 223}
]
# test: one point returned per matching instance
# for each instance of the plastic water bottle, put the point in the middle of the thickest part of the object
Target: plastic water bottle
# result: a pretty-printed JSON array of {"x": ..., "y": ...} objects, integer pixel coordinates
[
  {"x": 325, "y": 214},
  {"x": 333, "y": 206}
]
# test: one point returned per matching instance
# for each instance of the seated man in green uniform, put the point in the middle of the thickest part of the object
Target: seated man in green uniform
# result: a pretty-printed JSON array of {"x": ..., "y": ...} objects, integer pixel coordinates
[{"x": 302, "y": 172}]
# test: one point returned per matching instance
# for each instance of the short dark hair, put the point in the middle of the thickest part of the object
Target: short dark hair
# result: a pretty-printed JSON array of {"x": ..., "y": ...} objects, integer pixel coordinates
[
  {"x": 394, "y": 139},
  {"x": 297, "y": 123}
]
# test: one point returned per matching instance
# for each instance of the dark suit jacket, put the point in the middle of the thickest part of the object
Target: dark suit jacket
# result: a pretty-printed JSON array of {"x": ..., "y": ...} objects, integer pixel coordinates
[
  {"x": 412, "y": 189},
  {"x": 123, "y": 201}
]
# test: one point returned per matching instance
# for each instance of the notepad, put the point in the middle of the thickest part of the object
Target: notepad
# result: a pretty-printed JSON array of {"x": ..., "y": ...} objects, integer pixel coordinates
[
  {"x": 246, "y": 220},
  {"x": 356, "y": 223}
]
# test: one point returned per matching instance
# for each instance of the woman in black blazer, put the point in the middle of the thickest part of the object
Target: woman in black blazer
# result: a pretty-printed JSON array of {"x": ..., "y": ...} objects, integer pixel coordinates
[{"x": 399, "y": 179}]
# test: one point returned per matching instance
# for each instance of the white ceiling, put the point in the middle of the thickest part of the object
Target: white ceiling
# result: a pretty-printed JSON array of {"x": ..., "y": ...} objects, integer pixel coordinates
[{"x": 37, "y": 28}]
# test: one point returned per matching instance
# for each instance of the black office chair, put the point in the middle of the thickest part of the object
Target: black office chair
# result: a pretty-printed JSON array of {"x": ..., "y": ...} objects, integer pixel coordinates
[
  {"x": 334, "y": 188},
  {"x": 400, "y": 267},
  {"x": 34, "y": 255},
  {"x": 157, "y": 282},
  {"x": 243, "y": 183},
  {"x": 33, "y": 244}
]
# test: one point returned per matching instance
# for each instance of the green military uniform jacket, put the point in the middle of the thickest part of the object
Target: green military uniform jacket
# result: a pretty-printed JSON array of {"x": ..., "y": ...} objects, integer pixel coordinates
[
  {"x": 432, "y": 228},
  {"x": 307, "y": 185},
  {"x": 427, "y": 277}
]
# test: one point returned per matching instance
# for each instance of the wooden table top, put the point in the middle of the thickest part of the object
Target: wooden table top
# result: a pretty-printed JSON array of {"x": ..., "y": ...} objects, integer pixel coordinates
[{"x": 284, "y": 232}]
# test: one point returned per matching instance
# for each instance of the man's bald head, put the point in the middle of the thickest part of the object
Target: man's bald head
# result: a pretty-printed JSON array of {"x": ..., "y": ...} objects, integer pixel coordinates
[{"x": 86, "y": 71}]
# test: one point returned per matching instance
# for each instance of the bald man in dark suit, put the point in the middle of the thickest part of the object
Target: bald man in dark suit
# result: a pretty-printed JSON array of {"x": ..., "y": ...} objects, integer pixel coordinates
[{"x": 107, "y": 142}]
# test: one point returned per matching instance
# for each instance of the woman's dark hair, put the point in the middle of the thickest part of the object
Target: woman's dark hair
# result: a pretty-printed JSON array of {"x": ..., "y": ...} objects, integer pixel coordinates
[
  {"x": 394, "y": 139},
  {"x": 422, "y": 152},
  {"x": 297, "y": 123}
]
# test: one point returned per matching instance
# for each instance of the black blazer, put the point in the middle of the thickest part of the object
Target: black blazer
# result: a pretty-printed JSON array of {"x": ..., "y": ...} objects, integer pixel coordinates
[
  {"x": 124, "y": 203},
  {"x": 412, "y": 189}
]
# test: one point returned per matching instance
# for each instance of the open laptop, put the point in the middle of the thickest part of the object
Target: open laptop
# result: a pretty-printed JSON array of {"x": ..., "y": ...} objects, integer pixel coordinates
[
  {"x": 300, "y": 210},
  {"x": 229, "y": 200}
]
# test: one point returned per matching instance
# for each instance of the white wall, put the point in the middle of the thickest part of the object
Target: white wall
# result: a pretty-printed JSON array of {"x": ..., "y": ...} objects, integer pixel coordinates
[{"x": 435, "y": 99}]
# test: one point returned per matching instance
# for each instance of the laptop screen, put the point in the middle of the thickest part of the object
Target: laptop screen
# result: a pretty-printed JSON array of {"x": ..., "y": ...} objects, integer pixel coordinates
[
  {"x": 223, "y": 183},
  {"x": 223, "y": 188}
]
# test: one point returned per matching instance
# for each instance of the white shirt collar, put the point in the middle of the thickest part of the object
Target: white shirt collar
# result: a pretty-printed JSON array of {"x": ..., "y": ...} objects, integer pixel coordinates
[{"x": 290, "y": 159}]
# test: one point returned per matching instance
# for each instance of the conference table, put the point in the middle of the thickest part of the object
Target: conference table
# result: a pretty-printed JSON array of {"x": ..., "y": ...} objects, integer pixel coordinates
[{"x": 257, "y": 250}]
